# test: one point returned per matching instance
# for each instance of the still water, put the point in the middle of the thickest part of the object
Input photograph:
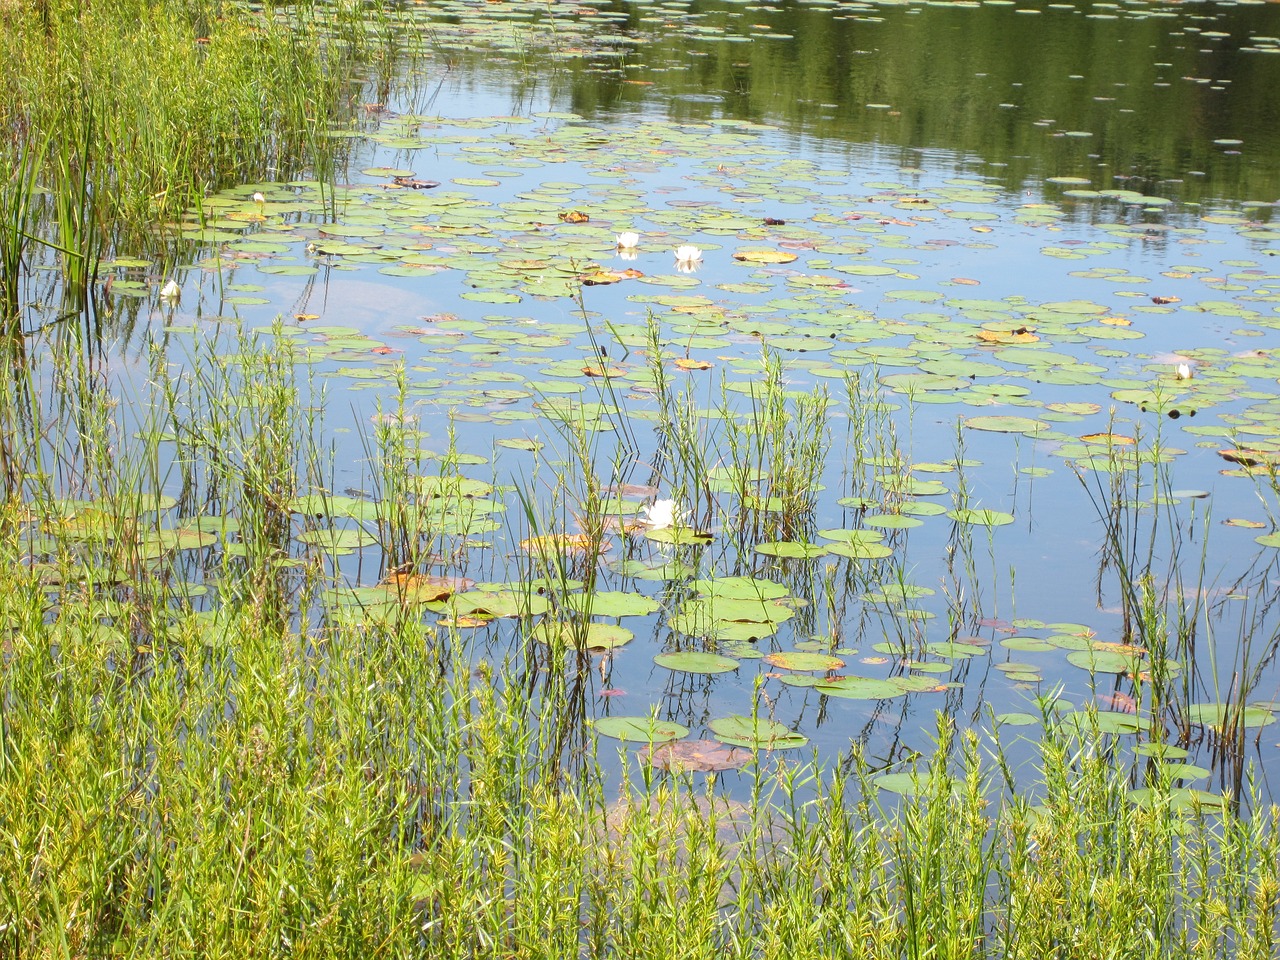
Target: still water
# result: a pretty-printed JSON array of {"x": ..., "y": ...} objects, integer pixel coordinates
[{"x": 973, "y": 358}]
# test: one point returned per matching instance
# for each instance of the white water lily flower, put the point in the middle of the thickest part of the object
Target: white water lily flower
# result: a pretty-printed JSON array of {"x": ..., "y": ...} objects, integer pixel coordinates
[
  {"x": 259, "y": 198},
  {"x": 627, "y": 240},
  {"x": 688, "y": 253},
  {"x": 171, "y": 291},
  {"x": 662, "y": 514},
  {"x": 1184, "y": 371}
]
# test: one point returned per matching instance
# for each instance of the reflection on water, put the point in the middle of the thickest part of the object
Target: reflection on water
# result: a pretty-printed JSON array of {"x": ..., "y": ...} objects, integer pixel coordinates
[
  {"x": 966, "y": 528},
  {"x": 1174, "y": 100}
]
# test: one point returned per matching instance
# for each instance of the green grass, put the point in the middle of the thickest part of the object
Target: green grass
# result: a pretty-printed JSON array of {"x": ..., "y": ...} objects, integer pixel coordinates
[
  {"x": 262, "y": 774},
  {"x": 201, "y": 755},
  {"x": 228, "y": 789},
  {"x": 124, "y": 114}
]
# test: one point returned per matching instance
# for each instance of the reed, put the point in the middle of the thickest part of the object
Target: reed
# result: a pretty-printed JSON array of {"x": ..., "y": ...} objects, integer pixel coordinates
[
  {"x": 243, "y": 775},
  {"x": 124, "y": 114}
]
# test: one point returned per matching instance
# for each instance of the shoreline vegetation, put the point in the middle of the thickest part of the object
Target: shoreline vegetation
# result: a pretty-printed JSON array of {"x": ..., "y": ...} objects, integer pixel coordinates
[
  {"x": 119, "y": 117},
  {"x": 241, "y": 790},
  {"x": 279, "y": 772},
  {"x": 249, "y": 778}
]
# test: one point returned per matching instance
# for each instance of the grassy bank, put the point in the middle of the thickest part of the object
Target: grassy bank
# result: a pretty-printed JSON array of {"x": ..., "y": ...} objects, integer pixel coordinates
[
  {"x": 232, "y": 790},
  {"x": 116, "y": 117}
]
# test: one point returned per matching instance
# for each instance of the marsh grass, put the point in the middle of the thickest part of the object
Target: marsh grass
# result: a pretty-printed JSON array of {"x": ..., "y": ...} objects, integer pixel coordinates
[
  {"x": 1171, "y": 609},
  {"x": 258, "y": 790},
  {"x": 237, "y": 777},
  {"x": 116, "y": 117}
]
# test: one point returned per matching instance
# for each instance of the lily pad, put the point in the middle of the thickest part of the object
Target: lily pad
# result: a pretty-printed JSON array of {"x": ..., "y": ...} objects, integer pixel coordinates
[
  {"x": 1217, "y": 715},
  {"x": 692, "y": 661},
  {"x": 799, "y": 660},
  {"x": 861, "y": 688},
  {"x": 696, "y": 756},
  {"x": 756, "y": 733},
  {"x": 1006, "y": 424},
  {"x": 980, "y": 517},
  {"x": 640, "y": 729},
  {"x": 588, "y": 636},
  {"x": 611, "y": 603}
]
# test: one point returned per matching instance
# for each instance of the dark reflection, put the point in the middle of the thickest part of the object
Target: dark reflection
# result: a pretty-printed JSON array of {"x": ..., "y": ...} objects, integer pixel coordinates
[{"x": 1153, "y": 86}]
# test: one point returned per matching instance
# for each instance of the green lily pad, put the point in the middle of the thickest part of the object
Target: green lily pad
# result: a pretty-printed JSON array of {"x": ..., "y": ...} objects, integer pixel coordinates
[
  {"x": 861, "y": 688},
  {"x": 1006, "y": 424},
  {"x": 590, "y": 636},
  {"x": 980, "y": 517},
  {"x": 791, "y": 549},
  {"x": 905, "y": 784},
  {"x": 611, "y": 603},
  {"x": 1216, "y": 715},
  {"x": 1179, "y": 799},
  {"x": 1104, "y": 661},
  {"x": 692, "y": 661},
  {"x": 1108, "y": 721},
  {"x": 755, "y": 733},
  {"x": 741, "y": 588},
  {"x": 338, "y": 539},
  {"x": 799, "y": 660},
  {"x": 640, "y": 729},
  {"x": 183, "y": 538}
]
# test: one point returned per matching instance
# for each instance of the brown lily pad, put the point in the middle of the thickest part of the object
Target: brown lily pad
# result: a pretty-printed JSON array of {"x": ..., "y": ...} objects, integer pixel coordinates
[{"x": 696, "y": 755}]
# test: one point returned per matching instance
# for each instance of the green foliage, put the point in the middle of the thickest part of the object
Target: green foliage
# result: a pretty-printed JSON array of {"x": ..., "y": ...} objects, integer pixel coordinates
[
  {"x": 270, "y": 775},
  {"x": 337, "y": 796},
  {"x": 126, "y": 113}
]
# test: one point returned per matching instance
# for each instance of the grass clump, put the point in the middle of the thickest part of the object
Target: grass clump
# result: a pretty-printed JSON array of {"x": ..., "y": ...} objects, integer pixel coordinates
[
  {"x": 120, "y": 115},
  {"x": 240, "y": 787}
]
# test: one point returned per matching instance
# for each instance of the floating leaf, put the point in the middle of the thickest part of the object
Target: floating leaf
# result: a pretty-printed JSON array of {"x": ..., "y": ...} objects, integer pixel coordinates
[
  {"x": 1005, "y": 424},
  {"x": 423, "y": 588},
  {"x": 1107, "y": 721},
  {"x": 692, "y": 661},
  {"x": 906, "y": 784},
  {"x": 586, "y": 636},
  {"x": 756, "y": 733},
  {"x": 602, "y": 370},
  {"x": 1179, "y": 799},
  {"x": 800, "y": 660},
  {"x": 861, "y": 688},
  {"x": 696, "y": 756},
  {"x": 1218, "y": 715},
  {"x": 640, "y": 729},
  {"x": 611, "y": 603},
  {"x": 741, "y": 588},
  {"x": 980, "y": 517},
  {"x": 764, "y": 255},
  {"x": 1103, "y": 661},
  {"x": 551, "y": 544},
  {"x": 791, "y": 549},
  {"x": 337, "y": 539}
]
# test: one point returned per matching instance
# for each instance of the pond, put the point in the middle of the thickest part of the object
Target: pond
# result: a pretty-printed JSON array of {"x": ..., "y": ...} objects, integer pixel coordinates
[{"x": 784, "y": 374}]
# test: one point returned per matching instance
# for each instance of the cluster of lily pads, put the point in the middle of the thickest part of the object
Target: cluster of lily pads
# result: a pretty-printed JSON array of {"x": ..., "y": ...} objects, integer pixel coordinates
[{"x": 839, "y": 278}]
